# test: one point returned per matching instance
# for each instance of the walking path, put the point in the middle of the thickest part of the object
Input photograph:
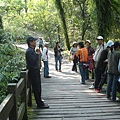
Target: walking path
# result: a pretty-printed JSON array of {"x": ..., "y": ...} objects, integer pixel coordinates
[{"x": 69, "y": 100}]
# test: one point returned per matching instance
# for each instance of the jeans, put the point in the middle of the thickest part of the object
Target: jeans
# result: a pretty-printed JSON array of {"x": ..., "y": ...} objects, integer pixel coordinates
[
  {"x": 112, "y": 84},
  {"x": 87, "y": 74},
  {"x": 58, "y": 58},
  {"x": 82, "y": 72},
  {"x": 46, "y": 68}
]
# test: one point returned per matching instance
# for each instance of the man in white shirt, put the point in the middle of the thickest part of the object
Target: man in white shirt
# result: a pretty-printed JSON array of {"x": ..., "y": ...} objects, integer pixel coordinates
[{"x": 45, "y": 60}]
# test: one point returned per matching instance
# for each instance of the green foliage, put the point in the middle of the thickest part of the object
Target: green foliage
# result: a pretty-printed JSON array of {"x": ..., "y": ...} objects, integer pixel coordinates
[{"x": 12, "y": 61}]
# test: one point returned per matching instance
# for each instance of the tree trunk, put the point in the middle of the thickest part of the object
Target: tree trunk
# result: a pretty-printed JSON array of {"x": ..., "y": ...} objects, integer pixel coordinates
[
  {"x": 62, "y": 14},
  {"x": 1, "y": 29},
  {"x": 104, "y": 18}
]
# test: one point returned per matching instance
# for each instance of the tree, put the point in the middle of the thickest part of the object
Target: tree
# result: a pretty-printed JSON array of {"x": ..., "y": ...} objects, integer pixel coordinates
[
  {"x": 105, "y": 16},
  {"x": 62, "y": 16}
]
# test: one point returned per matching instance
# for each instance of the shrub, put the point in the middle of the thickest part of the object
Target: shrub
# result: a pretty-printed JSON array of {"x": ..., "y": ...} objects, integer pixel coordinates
[{"x": 12, "y": 61}]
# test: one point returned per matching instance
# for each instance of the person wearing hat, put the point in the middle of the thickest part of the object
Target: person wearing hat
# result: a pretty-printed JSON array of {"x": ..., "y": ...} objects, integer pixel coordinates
[
  {"x": 73, "y": 52},
  {"x": 113, "y": 73},
  {"x": 90, "y": 58},
  {"x": 58, "y": 56},
  {"x": 32, "y": 61},
  {"x": 96, "y": 56},
  {"x": 101, "y": 67},
  {"x": 45, "y": 57}
]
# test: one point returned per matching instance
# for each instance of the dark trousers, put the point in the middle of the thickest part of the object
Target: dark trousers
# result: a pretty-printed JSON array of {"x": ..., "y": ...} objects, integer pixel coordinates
[
  {"x": 74, "y": 68},
  {"x": 98, "y": 74},
  {"x": 35, "y": 79}
]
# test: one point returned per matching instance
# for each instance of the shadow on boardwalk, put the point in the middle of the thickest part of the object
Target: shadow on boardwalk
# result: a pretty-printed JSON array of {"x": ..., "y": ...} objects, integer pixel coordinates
[{"x": 69, "y": 100}]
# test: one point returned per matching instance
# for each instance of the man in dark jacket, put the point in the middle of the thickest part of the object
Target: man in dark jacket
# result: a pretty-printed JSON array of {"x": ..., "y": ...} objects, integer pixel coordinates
[
  {"x": 32, "y": 60},
  {"x": 101, "y": 67}
]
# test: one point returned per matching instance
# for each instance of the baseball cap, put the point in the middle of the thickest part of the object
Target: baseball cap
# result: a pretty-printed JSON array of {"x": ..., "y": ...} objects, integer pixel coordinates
[
  {"x": 30, "y": 39},
  {"x": 88, "y": 41},
  {"x": 110, "y": 43},
  {"x": 99, "y": 38}
]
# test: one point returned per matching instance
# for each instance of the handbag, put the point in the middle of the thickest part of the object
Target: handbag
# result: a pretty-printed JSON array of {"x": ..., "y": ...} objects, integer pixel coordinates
[{"x": 85, "y": 64}]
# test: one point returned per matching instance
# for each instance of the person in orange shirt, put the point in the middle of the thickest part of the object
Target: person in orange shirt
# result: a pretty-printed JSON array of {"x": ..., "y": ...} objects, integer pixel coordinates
[{"x": 83, "y": 64}]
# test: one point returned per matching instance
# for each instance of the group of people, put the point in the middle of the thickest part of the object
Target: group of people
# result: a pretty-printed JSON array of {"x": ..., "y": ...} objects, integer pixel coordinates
[{"x": 103, "y": 60}]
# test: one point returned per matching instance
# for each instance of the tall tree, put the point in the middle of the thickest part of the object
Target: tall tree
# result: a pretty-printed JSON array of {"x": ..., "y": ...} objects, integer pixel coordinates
[
  {"x": 105, "y": 16},
  {"x": 62, "y": 15}
]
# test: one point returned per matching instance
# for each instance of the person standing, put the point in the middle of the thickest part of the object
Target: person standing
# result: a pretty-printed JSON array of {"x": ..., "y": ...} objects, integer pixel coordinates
[
  {"x": 73, "y": 52},
  {"x": 58, "y": 56},
  {"x": 102, "y": 67},
  {"x": 40, "y": 43},
  {"x": 32, "y": 61},
  {"x": 82, "y": 53},
  {"x": 113, "y": 73},
  {"x": 45, "y": 58},
  {"x": 96, "y": 57},
  {"x": 90, "y": 58}
]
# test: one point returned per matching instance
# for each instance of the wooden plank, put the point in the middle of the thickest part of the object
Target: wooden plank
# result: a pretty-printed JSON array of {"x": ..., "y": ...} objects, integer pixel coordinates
[
  {"x": 20, "y": 86},
  {"x": 21, "y": 111},
  {"x": 6, "y": 106}
]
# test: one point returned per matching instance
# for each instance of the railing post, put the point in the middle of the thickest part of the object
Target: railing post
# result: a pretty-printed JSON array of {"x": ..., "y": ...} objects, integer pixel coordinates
[
  {"x": 24, "y": 94},
  {"x": 12, "y": 89},
  {"x": 30, "y": 90}
]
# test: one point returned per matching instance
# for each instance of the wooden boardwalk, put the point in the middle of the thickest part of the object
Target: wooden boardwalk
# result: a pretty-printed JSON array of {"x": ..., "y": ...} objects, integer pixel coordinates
[{"x": 69, "y": 100}]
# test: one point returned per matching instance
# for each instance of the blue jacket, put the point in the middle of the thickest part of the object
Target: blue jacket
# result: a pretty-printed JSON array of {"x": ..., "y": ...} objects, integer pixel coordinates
[{"x": 32, "y": 59}]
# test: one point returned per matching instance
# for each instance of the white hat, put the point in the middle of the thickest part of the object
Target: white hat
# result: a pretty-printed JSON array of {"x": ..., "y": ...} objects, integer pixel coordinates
[
  {"x": 110, "y": 43},
  {"x": 88, "y": 41},
  {"x": 74, "y": 42},
  {"x": 99, "y": 38}
]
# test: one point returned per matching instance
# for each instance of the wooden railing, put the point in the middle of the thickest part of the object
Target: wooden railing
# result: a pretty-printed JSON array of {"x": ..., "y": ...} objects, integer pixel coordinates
[{"x": 14, "y": 106}]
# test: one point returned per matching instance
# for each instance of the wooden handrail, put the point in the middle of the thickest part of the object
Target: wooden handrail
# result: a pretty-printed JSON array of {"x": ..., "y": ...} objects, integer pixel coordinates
[{"x": 9, "y": 107}]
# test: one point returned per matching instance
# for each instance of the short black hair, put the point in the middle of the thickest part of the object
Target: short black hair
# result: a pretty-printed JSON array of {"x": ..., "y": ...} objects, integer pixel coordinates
[
  {"x": 116, "y": 44},
  {"x": 81, "y": 44}
]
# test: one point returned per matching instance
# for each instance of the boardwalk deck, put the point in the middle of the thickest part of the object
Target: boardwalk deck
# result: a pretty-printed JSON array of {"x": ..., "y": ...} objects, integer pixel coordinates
[{"x": 69, "y": 100}]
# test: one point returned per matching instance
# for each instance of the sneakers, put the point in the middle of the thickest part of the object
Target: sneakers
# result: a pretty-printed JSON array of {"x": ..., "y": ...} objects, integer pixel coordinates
[
  {"x": 91, "y": 87},
  {"x": 97, "y": 91}
]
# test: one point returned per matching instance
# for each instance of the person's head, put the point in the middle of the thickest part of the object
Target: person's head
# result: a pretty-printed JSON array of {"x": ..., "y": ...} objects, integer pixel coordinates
[
  {"x": 99, "y": 40},
  {"x": 40, "y": 38},
  {"x": 31, "y": 41},
  {"x": 88, "y": 43},
  {"x": 46, "y": 44},
  {"x": 74, "y": 44},
  {"x": 117, "y": 45},
  {"x": 81, "y": 45},
  {"x": 110, "y": 45}
]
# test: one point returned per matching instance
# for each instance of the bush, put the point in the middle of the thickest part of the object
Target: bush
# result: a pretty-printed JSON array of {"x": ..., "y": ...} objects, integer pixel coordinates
[{"x": 12, "y": 61}]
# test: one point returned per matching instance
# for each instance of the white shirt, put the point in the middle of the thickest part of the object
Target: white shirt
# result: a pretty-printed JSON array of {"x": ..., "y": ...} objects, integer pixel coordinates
[
  {"x": 45, "y": 54},
  {"x": 98, "y": 51}
]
